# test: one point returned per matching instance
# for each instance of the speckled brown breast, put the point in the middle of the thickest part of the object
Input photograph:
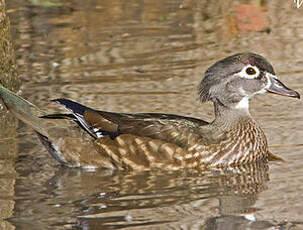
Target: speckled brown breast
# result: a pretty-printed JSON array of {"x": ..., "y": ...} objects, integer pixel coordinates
[{"x": 244, "y": 143}]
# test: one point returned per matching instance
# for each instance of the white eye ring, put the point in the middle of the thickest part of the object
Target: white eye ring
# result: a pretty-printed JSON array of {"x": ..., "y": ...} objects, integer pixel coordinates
[{"x": 249, "y": 72}]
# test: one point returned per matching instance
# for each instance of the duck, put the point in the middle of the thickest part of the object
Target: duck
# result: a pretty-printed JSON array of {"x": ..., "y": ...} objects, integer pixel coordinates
[{"x": 89, "y": 138}]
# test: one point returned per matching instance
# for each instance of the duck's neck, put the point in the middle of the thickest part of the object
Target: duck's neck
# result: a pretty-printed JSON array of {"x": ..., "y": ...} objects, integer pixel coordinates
[
  {"x": 228, "y": 116},
  {"x": 240, "y": 138}
]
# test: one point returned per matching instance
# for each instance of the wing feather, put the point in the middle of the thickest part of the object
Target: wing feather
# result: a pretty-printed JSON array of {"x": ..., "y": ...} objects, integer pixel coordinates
[{"x": 167, "y": 127}]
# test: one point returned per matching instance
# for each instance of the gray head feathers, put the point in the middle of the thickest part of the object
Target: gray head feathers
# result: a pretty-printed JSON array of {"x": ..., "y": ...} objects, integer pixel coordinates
[{"x": 220, "y": 72}]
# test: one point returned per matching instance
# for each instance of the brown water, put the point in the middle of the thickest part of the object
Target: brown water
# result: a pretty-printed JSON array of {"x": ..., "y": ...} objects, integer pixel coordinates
[{"x": 148, "y": 56}]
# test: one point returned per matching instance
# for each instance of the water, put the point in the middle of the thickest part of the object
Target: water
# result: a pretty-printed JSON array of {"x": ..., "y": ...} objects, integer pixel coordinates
[{"x": 149, "y": 56}]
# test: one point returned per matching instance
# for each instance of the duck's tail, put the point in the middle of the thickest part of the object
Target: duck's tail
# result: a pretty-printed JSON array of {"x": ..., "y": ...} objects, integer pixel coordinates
[
  {"x": 61, "y": 137},
  {"x": 31, "y": 115}
]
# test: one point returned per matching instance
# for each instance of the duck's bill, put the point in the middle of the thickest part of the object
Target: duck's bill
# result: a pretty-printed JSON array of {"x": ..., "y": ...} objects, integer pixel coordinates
[{"x": 277, "y": 87}]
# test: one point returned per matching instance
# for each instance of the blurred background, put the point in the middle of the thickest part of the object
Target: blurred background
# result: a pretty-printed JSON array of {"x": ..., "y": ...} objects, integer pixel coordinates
[{"x": 149, "y": 56}]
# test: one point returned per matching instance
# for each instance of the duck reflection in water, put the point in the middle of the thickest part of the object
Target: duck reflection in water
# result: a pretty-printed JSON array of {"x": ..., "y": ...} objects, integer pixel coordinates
[
  {"x": 105, "y": 199},
  {"x": 222, "y": 199}
]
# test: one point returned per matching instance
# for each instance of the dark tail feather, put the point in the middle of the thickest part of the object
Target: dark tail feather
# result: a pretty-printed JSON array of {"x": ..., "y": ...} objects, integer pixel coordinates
[
  {"x": 72, "y": 106},
  {"x": 58, "y": 116},
  {"x": 77, "y": 111}
]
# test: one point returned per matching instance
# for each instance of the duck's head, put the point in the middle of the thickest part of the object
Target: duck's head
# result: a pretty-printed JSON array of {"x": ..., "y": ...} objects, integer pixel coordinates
[{"x": 232, "y": 81}]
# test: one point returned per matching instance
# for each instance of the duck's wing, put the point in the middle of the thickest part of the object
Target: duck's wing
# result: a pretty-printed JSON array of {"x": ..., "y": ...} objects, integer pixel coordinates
[{"x": 175, "y": 129}]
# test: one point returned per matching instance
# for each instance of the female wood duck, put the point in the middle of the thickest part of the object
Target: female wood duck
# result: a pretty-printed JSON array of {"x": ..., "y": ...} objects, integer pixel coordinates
[{"x": 149, "y": 141}]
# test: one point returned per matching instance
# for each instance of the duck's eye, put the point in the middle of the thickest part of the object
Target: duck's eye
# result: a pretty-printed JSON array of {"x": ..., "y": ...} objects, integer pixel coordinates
[{"x": 250, "y": 71}]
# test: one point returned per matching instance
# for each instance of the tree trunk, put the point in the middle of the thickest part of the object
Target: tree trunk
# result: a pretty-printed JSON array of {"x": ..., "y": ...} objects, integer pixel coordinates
[{"x": 8, "y": 124}]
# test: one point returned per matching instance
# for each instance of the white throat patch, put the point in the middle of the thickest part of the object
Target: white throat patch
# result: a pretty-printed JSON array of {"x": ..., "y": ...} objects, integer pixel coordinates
[{"x": 243, "y": 104}]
